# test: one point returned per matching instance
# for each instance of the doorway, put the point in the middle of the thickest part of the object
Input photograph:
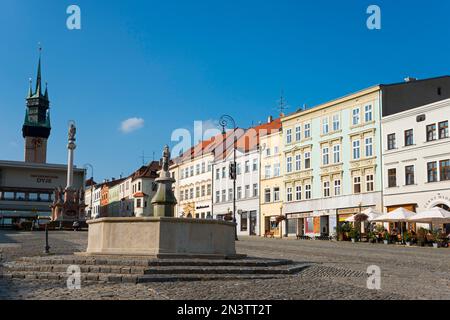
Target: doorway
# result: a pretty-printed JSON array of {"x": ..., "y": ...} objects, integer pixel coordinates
[{"x": 253, "y": 222}]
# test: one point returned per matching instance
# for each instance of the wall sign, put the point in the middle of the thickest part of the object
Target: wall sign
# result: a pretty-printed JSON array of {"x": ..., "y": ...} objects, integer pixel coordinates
[{"x": 43, "y": 179}]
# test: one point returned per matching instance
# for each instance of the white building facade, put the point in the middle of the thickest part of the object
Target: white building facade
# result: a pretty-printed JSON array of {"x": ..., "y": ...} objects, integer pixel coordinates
[
  {"x": 416, "y": 158},
  {"x": 247, "y": 190}
]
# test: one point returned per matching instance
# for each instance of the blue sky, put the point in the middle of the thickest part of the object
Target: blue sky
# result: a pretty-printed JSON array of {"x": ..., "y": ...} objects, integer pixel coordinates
[{"x": 173, "y": 62}]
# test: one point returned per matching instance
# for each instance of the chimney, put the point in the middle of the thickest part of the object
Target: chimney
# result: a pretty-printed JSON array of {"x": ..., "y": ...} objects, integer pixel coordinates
[
  {"x": 269, "y": 119},
  {"x": 113, "y": 179},
  {"x": 410, "y": 79}
]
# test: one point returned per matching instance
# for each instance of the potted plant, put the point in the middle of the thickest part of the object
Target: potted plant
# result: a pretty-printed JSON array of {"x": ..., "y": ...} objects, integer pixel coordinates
[
  {"x": 387, "y": 237},
  {"x": 344, "y": 231},
  {"x": 354, "y": 234},
  {"x": 407, "y": 238},
  {"x": 437, "y": 239},
  {"x": 372, "y": 237},
  {"x": 421, "y": 237}
]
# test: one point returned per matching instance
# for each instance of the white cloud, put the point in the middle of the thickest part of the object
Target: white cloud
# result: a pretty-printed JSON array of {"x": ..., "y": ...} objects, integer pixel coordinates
[
  {"x": 131, "y": 125},
  {"x": 210, "y": 128}
]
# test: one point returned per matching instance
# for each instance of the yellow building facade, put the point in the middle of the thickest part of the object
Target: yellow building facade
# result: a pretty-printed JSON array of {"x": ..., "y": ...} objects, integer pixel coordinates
[{"x": 272, "y": 185}]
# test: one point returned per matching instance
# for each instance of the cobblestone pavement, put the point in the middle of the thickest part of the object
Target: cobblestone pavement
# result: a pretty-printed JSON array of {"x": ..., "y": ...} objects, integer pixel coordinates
[{"x": 339, "y": 272}]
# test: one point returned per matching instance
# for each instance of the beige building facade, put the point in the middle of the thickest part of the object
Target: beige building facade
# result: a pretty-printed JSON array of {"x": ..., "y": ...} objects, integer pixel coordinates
[{"x": 272, "y": 185}]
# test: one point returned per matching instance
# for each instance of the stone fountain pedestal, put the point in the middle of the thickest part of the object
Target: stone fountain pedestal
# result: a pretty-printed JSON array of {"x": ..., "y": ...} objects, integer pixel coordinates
[{"x": 161, "y": 237}]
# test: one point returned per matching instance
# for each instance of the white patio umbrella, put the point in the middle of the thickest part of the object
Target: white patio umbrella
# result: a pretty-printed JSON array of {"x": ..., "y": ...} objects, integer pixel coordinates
[
  {"x": 350, "y": 219},
  {"x": 434, "y": 215},
  {"x": 398, "y": 215},
  {"x": 370, "y": 214}
]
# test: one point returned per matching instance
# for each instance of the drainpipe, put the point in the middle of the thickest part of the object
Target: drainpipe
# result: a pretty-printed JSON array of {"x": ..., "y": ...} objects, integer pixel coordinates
[{"x": 380, "y": 99}]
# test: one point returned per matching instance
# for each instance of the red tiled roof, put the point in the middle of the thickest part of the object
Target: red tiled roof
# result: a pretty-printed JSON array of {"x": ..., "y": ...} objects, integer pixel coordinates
[
  {"x": 150, "y": 171},
  {"x": 250, "y": 140},
  {"x": 139, "y": 195}
]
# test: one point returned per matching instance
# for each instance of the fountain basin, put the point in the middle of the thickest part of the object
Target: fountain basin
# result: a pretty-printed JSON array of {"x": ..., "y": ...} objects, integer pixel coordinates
[{"x": 162, "y": 237}]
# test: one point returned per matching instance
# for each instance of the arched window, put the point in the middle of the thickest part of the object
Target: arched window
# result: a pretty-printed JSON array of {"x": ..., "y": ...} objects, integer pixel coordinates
[{"x": 443, "y": 206}]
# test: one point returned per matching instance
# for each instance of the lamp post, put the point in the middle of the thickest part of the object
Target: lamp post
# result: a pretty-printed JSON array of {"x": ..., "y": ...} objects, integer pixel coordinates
[
  {"x": 223, "y": 122},
  {"x": 47, "y": 247},
  {"x": 281, "y": 222}
]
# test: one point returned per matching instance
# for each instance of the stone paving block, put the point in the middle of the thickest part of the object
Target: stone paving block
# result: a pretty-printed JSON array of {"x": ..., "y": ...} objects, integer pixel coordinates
[
  {"x": 137, "y": 271},
  {"x": 129, "y": 279},
  {"x": 116, "y": 269},
  {"x": 53, "y": 276},
  {"x": 84, "y": 268},
  {"x": 46, "y": 268},
  {"x": 68, "y": 261},
  {"x": 104, "y": 269},
  {"x": 95, "y": 269},
  {"x": 125, "y": 270},
  {"x": 103, "y": 277},
  {"x": 91, "y": 277},
  {"x": 114, "y": 278},
  {"x": 141, "y": 263}
]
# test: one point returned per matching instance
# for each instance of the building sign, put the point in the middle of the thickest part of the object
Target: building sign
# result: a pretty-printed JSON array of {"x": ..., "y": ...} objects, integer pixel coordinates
[
  {"x": 300, "y": 215},
  {"x": 351, "y": 211},
  {"x": 42, "y": 179},
  {"x": 437, "y": 198},
  {"x": 202, "y": 207}
]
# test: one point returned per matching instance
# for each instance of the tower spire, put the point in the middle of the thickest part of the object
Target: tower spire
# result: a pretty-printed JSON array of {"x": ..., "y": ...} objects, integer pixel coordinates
[
  {"x": 38, "y": 80},
  {"x": 46, "y": 90},
  {"x": 30, "y": 90}
]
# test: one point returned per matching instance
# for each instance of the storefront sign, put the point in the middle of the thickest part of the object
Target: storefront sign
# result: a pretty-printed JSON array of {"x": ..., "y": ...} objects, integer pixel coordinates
[
  {"x": 43, "y": 179},
  {"x": 202, "y": 207},
  {"x": 351, "y": 210},
  {"x": 300, "y": 215},
  {"x": 438, "y": 197}
]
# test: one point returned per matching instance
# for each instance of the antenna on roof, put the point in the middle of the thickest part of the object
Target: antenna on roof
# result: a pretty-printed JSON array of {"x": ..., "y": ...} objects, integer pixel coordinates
[
  {"x": 282, "y": 106},
  {"x": 143, "y": 157}
]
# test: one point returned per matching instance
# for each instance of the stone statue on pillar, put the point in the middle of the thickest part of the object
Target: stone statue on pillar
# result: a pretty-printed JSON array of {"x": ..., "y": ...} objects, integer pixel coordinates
[
  {"x": 164, "y": 200},
  {"x": 68, "y": 204}
]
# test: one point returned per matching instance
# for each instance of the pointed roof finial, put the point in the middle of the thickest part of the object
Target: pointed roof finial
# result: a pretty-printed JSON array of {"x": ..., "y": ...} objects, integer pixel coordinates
[
  {"x": 30, "y": 90},
  {"x": 38, "y": 81}
]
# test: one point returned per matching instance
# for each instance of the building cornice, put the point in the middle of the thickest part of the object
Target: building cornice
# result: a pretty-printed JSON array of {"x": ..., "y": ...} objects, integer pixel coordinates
[
  {"x": 332, "y": 103},
  {"x": 412, "y": 112}
]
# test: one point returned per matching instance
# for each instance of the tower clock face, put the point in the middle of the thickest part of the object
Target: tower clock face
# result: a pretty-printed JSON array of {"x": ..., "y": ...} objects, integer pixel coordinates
[{"x": 37, "y": 143}]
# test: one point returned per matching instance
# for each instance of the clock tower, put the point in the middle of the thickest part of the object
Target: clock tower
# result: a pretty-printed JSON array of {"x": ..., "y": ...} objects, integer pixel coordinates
[{"x": 36, "y": 128}]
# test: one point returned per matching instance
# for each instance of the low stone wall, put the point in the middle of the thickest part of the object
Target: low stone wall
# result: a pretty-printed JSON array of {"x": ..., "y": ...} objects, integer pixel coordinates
[{"x": 161, "y": 237}]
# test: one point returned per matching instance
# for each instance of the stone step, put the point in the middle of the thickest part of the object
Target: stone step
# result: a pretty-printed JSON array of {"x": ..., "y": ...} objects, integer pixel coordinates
[
  {"x": 73, "y": 260},
  {"x": 108, "y": 269},
  {"x": 83, "y": 268},
  {"x": 137, "y": 270},
  {"x": 290, "y": 269},
  {"x": 120, "y": 278},
  {"x": 205, "y": 277}
]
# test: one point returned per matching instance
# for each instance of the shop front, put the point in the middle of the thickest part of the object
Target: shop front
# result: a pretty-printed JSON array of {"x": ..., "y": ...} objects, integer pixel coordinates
[
  {"x": 271, "y": 226},
  {"x": 302, "y": 224},
  {"x": 203, "y": 210},
  {"x": 345, "y": 213}
]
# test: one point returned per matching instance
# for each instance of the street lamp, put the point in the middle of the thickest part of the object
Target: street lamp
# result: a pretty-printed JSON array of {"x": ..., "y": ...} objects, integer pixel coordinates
[
  {"x": 47, "y": 247},
  {"x": 223, "y": 122}
]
